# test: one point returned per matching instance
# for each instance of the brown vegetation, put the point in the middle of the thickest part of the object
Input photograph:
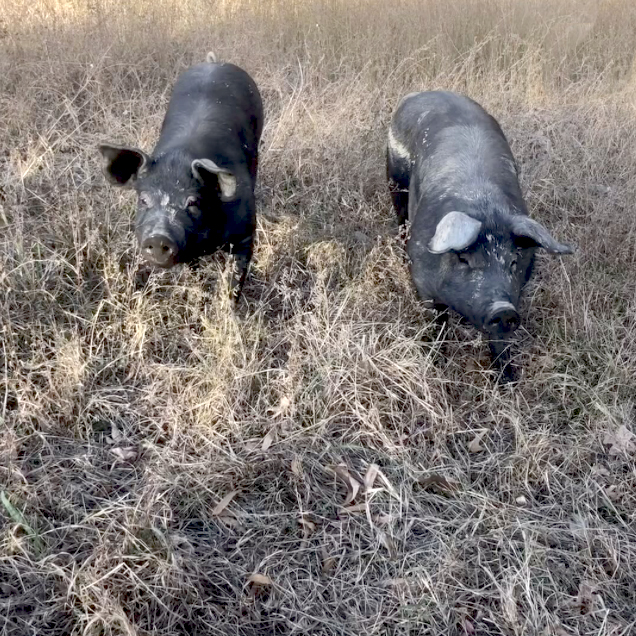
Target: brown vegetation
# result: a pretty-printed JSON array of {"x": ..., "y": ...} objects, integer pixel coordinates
[{"x": 315, "y": 463}]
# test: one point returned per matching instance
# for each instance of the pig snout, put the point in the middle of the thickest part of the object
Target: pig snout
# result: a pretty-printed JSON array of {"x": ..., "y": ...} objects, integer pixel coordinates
[
  {"x": 502, "y": 318},
  {"x": 159, "y": 250}
]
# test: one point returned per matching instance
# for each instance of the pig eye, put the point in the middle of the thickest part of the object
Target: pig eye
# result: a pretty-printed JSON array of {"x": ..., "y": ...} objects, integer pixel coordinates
[
  {"x": 463, "y": 258},
  {"x": 192, "y": 202},
  {"x": 145, "y": 200},
  {"x": 513, "y": 262}
]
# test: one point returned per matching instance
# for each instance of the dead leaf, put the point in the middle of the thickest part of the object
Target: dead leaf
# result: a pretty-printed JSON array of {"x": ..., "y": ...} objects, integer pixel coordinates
[
  {"x": 369, "y": 478},
  {"x": 223, "y": 504},
  {"x": 383, "y": 519},
  {"x": 308, "y": 526},
  {"x": 521, "y": 500},
  {"x": 388, "y": 485},
  {"x": 387, "y": 542},
  {"x": 282, "y": 408},
  {"x": 269, "y": 439},
  {"x": 233, "y": 522},
  {"x": 356, "y": 508},
  {"x": 578, "y": 526},
  {"x": 475, "y": 446},
  {"x": 587, "y": 598},
  {"x": 297, "y": 467},
  {"x": 260, "y": 579},
  {"x": 620, "y": 441},
  {"x": 353, "y": 485},
  {"x": 600, "y": 470},
  {"x": 115, "y": 434},
  {"x": 440, "y": 484},
  {"x": 469, "y": 628},
  {"x": 328, "y": 562},
  {"x": 124, "y": 454}
]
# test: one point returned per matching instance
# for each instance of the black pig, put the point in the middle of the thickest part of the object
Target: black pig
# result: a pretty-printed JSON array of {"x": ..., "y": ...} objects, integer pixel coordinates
[
  {"x": 472, "y": 244},
  {"x": 196, "y": 189}
]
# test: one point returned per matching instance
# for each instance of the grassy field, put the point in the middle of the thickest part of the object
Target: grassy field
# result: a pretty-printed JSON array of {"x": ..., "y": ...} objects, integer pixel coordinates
[{"x": 318, "y": 462}]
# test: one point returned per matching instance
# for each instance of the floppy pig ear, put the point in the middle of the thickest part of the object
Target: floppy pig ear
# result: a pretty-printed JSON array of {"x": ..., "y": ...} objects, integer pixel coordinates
[
  {"x": 455, "y": 232},
  {"x": 227, "y": 181},
  {"x": 525, "y": 227},
  {"x": 122, "y": 165}
]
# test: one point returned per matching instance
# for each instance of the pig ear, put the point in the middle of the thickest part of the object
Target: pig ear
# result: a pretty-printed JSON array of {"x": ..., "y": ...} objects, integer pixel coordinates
[
  {"x": 525, "y": 227},
  {"x": 122, "y": 165},
  {"x": 456, "y": 231},
  {"x": 227, "y": 181}
]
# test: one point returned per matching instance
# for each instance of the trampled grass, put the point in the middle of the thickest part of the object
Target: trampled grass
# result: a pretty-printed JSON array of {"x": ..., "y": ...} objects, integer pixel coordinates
[{"x": 322, "y": 461}]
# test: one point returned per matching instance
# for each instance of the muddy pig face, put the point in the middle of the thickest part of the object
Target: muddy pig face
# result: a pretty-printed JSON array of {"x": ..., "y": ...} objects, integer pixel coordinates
[
  {"x": 483, "y": 267},
  {"x": 180, "y": 201}
]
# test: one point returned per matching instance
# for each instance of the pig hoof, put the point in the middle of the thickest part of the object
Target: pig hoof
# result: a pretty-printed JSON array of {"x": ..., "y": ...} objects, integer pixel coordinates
[{"x": 508, "y": 375}]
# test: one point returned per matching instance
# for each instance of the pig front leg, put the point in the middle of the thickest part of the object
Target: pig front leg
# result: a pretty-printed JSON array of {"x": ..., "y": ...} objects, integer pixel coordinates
[
  {"x": 240, "y": 256},
  {"x": 397, "y": 172},
  {"x": 400, "y": 200},
  {"x": 501, "y": 355}
]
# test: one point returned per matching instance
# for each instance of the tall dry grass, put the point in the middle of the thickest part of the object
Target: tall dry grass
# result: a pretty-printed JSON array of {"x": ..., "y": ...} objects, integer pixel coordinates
[{"x": 324, "y": 461}]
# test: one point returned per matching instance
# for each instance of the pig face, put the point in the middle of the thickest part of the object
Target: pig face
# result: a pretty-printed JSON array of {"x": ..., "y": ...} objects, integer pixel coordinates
[
  {"x": 483, "y": 267},
  {"x": 180, "y": 201}
]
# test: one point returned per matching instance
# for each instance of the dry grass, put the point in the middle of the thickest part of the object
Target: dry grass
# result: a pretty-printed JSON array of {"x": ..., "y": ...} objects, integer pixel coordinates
[{"x": 157, "y": 450}]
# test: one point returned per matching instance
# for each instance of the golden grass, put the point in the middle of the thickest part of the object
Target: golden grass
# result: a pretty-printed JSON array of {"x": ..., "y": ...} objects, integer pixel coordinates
[{"x": 158, "y": 450}]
